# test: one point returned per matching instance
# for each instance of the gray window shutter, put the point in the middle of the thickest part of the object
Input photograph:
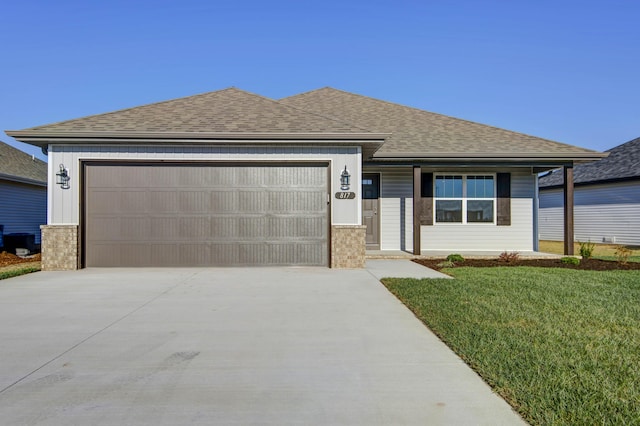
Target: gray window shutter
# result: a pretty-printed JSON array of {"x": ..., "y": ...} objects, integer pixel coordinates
[
  {"x": 426, "y": 213},
  {"x": 504, "y": 199}
]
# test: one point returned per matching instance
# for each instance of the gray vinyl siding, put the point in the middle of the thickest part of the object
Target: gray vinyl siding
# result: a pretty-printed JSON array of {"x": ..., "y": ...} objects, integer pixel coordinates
[
  {"x": 602, "y": 213},
  {"x": 23, "y": 208}
]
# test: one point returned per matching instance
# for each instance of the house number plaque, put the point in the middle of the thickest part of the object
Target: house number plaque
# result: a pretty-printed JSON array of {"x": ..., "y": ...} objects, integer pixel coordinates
[{"x": 345, "y": 195}]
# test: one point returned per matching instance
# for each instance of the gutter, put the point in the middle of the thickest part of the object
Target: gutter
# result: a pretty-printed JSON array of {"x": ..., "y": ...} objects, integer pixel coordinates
[
  {"x": 476, "y": 156},
  {"x": 36, "y": 137},
  {"x": 20, "y": 179}
]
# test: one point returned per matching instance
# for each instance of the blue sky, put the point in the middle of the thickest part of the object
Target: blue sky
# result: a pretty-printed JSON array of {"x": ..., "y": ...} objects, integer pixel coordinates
[{"x": 562, "y": 70}]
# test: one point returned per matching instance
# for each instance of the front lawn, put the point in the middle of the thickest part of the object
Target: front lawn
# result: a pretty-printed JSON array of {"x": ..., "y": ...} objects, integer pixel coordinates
[{"x": 562, "y": 346}]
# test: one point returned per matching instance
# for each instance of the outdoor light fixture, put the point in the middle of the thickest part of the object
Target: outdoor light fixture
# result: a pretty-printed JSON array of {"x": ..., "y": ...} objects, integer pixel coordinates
[
  {"x": 62, "y": 177},
  {"x": 345, "y": 179}
]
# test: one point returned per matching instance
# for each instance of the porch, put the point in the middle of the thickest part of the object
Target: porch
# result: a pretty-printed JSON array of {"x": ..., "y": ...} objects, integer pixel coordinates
[{"x": 441, "y": 254}]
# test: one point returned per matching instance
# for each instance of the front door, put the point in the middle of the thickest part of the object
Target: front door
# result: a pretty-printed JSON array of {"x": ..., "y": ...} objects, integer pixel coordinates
[{"x": 370, "y": 207}]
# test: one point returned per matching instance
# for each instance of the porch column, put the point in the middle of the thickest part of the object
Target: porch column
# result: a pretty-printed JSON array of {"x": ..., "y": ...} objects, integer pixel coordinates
[
  {"x": 417, "y": 194},
  {"x": 568, "y": 210}
]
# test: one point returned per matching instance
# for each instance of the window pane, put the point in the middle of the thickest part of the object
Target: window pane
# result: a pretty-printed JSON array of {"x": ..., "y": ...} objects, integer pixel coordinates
[
  {"x": 480, "y": 186},
  {"x": 448, "y": 211},
  {"x": 449, "y": 186},
  {"x": 480, "y": 211}
]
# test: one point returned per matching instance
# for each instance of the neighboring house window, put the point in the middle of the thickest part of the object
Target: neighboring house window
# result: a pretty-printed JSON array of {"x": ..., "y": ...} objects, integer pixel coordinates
[{"x": 465, "y": 198}]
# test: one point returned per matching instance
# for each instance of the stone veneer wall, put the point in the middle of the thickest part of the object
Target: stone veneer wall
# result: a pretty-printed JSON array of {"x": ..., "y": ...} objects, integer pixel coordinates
[
  {"x": 348, "y": 244},
  {"x": 59, "y": 247}
]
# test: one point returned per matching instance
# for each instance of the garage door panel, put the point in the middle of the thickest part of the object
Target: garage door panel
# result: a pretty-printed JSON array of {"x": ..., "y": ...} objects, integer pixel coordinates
[
  {"x": 106, "y": 228},
  {"x": 224, "y": 254},
  {"x": 194, "y": 254},
  {"x": 308, "y": 254},
  {"x": 133, "y": 228},
  {"x": 104, "y": 200},
  {"x": 199, "y": 215},
  {"x": 224, "y": 201},
  {"x": 167, "y": 254},
  {"x": 133, "y": 202},
  {"x": 224, "y": 228},
  {"x": 194, "y": 202},
  {"x": 133, "y": 254},
  {"x": 251, "y": 228},
  {"x": 159, "y": 202}
]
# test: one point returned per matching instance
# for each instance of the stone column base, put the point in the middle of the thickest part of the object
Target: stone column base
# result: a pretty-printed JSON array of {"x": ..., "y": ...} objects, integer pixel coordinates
[
  {"x": 348, "y": 244},
  {"x": 59, "y": 247}
]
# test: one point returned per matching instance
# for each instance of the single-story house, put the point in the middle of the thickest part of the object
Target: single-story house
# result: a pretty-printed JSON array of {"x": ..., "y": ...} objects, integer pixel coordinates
[
  {"x": 233, "y": 178},
  {"x": 606, "y": 202},
  {"x": 23, "y": 194}
]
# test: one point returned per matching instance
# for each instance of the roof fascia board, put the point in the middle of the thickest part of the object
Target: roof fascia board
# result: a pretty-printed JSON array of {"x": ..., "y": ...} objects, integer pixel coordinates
[
  {"x": 466, "y": 156},
  {"x": 538, "y": 165},
  {"x": 22, "y": 180},
  {"x": 35, "y": 136}
]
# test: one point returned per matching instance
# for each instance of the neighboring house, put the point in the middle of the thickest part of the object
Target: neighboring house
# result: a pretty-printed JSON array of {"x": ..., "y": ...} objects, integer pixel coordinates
[
  {"x": 606, "y": 202},
  {"x": 23, "y": 192},
  {"x": 234, "y": 178}
]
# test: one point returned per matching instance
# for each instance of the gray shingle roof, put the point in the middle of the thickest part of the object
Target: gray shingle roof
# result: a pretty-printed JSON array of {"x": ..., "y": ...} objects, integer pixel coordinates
[
  {"x": 225, "y": 111},
  {"x": 623, "y": 162},
  {"x": 416, "y": 131},
  {"x": 409, "y": 133},
  {"x": 16, "y": 164}
]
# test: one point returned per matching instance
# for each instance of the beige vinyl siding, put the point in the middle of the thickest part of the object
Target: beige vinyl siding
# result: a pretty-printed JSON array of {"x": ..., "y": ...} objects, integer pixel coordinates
[
  {"x": 64, "y": 205},
  {"x": 490, "y": 237},
  {"x": 602, "y": 213},
  {"x": 396, "y": 220}
]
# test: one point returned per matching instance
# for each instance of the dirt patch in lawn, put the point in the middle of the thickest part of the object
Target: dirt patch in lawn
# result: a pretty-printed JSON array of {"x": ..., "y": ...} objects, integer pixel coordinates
[
  {"x": 587, "y": 265},
  {"x": 10, "y": 259}
]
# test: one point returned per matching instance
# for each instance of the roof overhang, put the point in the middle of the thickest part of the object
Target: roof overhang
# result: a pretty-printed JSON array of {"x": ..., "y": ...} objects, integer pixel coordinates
[
  {"x": 369, "y": 142},
  {"x": 20, "y": 179},
  {"x": 540, "y": 162},
  {"x": 574, "y": 157}
]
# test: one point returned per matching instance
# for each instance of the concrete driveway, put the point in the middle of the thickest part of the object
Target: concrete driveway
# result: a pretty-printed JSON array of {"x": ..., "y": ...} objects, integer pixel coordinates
[{"x": 226, "y": 346}]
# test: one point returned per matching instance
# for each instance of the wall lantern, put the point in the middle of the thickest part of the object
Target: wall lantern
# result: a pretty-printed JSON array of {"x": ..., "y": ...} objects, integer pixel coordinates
[
  {"x": 62, "y": 177},
  {"x": 345, "y": 179}
]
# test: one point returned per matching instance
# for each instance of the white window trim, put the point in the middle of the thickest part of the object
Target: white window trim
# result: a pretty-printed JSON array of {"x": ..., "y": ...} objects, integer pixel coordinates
[{"x": 464, "y": 199}]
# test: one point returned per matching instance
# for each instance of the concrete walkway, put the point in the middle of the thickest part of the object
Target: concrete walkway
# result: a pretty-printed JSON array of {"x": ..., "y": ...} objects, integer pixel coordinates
[
  {"x": 270, "y": 346},
  {"x": 400, "y": 268}
]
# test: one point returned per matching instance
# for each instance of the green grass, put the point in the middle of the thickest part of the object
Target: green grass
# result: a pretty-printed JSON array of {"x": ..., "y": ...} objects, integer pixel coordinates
[
  {"x": 17, "y": 271},
  {"x": 561, "y": 346}
]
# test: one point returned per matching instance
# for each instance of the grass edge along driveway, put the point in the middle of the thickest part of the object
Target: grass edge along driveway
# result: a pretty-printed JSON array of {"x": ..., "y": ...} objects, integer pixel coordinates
[{"x": 561, "y": 346}]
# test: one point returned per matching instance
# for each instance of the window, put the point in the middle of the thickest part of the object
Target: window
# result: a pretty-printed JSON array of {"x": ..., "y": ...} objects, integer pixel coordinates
[{"x": 464, "y": 198}]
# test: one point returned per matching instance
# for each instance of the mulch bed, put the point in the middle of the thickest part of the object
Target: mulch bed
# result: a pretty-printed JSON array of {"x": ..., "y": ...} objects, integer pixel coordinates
[
  {"x": 8, "y": 259},
  {"x": 586, "y": 265}
]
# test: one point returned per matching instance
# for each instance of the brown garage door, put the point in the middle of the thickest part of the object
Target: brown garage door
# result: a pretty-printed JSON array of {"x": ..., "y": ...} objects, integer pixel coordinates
[{"x": 205, "y": 214}]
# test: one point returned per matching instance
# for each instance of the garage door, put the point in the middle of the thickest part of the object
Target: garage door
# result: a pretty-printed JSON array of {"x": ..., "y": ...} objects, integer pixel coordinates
[{"x": 205, "y": 214}]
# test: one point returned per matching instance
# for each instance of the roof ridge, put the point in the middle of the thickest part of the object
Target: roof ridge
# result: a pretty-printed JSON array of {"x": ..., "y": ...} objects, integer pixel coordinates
[{"x": 325, "y": 116}]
